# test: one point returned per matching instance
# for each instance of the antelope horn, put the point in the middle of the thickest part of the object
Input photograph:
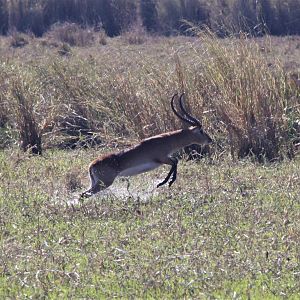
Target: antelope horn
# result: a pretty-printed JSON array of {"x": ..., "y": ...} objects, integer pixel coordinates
[
  {"x": 192, "y": 120},
  {"x": 177, "y": 114}
]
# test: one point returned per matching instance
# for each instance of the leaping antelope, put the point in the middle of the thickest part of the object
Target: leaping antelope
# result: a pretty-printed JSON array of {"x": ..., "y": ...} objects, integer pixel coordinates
[{"x": 149, "y": 154}]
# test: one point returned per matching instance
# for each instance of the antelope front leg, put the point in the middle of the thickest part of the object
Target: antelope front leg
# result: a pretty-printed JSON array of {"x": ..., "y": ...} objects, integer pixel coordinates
[
  {"x": 174, "y": 176},
  {"x": 173, "y": 172}
]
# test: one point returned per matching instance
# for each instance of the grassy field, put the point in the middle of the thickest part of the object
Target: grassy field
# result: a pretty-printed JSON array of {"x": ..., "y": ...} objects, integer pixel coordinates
[{"x": 225, "y": 230}]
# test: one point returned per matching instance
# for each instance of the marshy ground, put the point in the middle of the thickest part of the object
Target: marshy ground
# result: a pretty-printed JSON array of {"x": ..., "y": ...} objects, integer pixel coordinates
[{"x": 224, "y": 230}]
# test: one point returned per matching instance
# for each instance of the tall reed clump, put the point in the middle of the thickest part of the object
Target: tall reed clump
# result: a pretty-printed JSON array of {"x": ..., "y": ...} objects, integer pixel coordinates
[
  {"x": 68, "y": 94},
  {"x": 26, "y": 124},
  {"x": 251, "y": 97},
  {"x": 31, "y": 108},
  {"x": 17, "y": 117}
]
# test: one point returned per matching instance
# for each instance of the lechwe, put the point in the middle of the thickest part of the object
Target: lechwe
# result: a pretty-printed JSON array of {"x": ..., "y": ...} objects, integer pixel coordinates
[{"x": 149, "y": 154}]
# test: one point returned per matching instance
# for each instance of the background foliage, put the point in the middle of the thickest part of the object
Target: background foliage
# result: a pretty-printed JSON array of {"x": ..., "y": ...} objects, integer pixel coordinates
[{"x": 160, "y": 16}]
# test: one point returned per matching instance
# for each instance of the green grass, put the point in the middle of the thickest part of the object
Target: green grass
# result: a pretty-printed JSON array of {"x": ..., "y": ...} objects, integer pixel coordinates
[{"x": 225, "y": 230}]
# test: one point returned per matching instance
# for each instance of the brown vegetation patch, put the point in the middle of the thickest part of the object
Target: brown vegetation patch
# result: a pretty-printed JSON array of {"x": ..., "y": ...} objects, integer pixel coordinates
[{"x": 72, "y": 34}]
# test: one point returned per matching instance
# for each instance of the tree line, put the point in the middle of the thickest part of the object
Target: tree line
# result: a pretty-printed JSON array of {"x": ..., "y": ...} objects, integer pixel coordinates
[{"x": 276, "y": 17}]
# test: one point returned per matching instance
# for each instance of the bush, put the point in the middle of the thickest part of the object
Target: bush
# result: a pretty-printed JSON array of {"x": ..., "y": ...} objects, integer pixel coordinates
[
  {"x": 65, "y": 50},
  {"x": 102, "y": 38},
  {"x": 136, "y": 35},
  {"x": 19, "y": 40},
  {"x": 72, "y": 34}
]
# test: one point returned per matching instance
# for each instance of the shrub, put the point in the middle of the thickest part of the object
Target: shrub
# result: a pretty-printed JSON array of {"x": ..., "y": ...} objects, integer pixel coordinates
[
  {"x": 102, "y": 37},
  {"x": 136, "y": 35},
  {"x": 19, "y": 40},
  {"x": 65, "y": 50},
  {"x": 72, "y": 34}
]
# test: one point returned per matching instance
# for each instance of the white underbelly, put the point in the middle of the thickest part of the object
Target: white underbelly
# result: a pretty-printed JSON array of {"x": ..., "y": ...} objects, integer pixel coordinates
[{"x": 139, "y": 169}]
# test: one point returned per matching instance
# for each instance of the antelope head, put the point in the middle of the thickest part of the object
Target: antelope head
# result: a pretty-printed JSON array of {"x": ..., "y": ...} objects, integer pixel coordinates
[{"x": 200, "y": 136}]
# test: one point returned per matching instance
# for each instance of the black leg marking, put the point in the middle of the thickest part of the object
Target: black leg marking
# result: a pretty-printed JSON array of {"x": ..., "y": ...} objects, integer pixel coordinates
[
  {"x": 174, "y": 176},
  {"x": 167, "y": 178},
  {"x": 173, "y": 172}
]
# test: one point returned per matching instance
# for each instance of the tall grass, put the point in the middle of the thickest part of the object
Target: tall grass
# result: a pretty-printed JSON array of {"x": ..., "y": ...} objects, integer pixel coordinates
[
  {"x": 247, "y": 103},
  {"x": 25, "y": 119},
  {"x": 252, "y": 98}
]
